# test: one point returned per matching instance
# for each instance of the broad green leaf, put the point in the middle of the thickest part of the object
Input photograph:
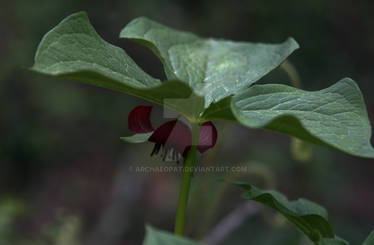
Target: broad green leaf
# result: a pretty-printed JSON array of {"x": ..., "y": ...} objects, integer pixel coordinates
[
  {"x": 334, "y": 117},
  {"x": 158, "y": 38},
  {"x": 74, "y": 50},
  {"x": 309, "y": 217},
  {"x": 370, "y": 239},
  {"x": 156, "y": 237},
  {"x": 137, "y": 138},
  {"x": 214, "y": 68}
]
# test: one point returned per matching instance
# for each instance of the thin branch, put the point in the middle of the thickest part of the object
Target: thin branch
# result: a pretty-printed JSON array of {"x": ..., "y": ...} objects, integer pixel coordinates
[{"x": 231, "y": 222}]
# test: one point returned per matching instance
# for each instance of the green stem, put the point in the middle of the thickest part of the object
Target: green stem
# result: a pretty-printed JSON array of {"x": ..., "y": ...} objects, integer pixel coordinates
[
  {"x": 292, "y": 73},
  {"x": 188, "y": 169}
]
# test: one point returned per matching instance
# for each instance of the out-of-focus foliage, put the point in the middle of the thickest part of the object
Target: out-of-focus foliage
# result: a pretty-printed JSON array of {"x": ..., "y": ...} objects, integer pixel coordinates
[
  {"x": 10, "y": 210},
  {"x": 60, "y": 146},
  {"x": 370, "y": 239},
  {"x": 301, "y": 150}
]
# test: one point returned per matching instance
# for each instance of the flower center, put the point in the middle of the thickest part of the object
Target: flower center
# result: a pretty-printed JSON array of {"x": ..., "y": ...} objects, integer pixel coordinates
[{"x": 168, "y": 154}]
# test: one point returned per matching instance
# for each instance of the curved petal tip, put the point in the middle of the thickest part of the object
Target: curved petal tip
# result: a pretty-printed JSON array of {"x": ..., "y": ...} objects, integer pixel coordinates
[{"x": 139, "y": 119}]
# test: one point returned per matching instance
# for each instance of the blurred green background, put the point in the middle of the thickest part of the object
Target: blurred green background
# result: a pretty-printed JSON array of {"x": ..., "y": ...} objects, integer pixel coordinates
[{"x": 64, "y": 173}]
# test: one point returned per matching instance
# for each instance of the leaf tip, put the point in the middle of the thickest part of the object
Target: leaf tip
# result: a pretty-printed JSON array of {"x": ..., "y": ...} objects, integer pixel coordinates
[
  {"x": 76, "y": 15},
  {"x": 136, "y": 27},
  {"x": 293, "y": 43}
]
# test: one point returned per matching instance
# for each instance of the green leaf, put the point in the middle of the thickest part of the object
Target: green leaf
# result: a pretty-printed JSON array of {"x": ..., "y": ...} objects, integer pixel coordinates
[
  {"x": 309, "y": 217},
  {"x": 74, "y": 50},
  {"x": 334, "y": 241},
  {"x": 334, "y": 117},
  {"x": 214, "y": 68},
  {"x": 137, "y": 138},
  {"x": 157, "y": 237},
  {"x": 370, "y": 239},
  {"x": 158, "y": 38}
]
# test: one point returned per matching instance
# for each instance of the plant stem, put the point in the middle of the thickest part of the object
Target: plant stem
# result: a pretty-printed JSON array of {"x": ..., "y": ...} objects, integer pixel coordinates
[
  {"x": 188, "y": 169},
  {"x": 292, "y": 73}
]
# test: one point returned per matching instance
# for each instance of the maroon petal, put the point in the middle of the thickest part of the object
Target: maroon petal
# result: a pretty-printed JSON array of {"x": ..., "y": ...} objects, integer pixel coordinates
[
  {"x": 161, "y": 134},
  {"x": 139, "y": 119},
  {"x": 173, "y": 134},
  {"x": 208, "y": 136}
]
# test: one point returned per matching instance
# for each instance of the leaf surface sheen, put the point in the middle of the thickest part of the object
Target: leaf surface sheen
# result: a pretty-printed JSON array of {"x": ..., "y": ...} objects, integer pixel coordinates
[
  {"x": 214, "y": 68},
  {"x": 335, "y": 117},
  {"x": 75, "y": 51}
]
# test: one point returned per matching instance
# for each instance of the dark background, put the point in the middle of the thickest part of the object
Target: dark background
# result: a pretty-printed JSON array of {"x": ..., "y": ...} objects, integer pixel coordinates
[{"x": 64, "y": 173}]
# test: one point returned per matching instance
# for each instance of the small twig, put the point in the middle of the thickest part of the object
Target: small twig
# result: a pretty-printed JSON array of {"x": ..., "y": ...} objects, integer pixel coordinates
[
  {"x": 231, "y": 222},
  {"x": 114, "y": 220}
]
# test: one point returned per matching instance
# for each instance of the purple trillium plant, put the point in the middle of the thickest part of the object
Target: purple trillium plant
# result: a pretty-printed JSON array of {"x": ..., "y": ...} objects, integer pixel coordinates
[
  {"x": 174, "y": 136},
  {"x": 211, "y": 80}
]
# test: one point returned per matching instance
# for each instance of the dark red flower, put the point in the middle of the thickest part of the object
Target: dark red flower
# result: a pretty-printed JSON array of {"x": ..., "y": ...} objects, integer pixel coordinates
[
  {"x": 173, "y": 137},
  {"x": 139, "y": 119},
  {"x": 208, "y": 136}
]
